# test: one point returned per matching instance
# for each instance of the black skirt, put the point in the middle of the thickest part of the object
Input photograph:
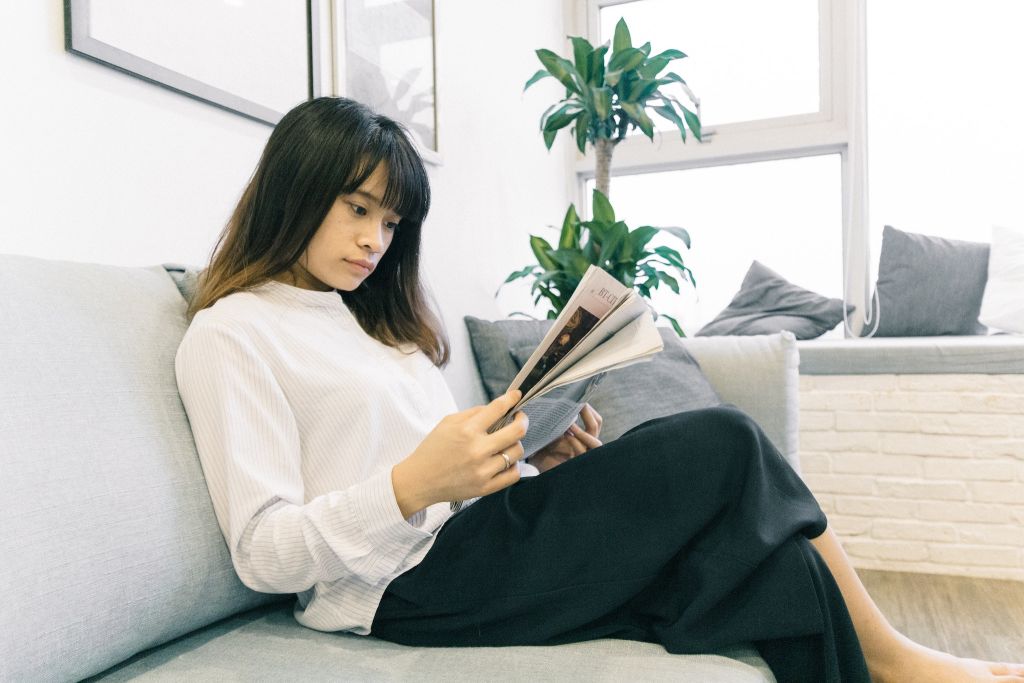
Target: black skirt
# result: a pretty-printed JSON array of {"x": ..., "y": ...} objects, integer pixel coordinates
[{"x": 689, "y": 530}]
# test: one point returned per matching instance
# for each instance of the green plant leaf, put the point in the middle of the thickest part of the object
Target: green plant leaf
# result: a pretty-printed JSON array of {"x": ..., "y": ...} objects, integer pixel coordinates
[
  {"x": 582, "y": 129},
  {"x": 612, "y": 78},
  {"x": 646, "y": 49},
  {"x": 639, "y": 238},
  {"x": 669, "y": 112},
  {"x": 602, "y": 102},
  {"x": 670, "y": 255},
  {"x": 693, "y": 121},
  {"x": 670, "y": 54},
  {"x": 595, "y": 65},
  {"x": 543, "y": 73},
  {"x": 651, "y": 67},
  {"x": 627, "y": 60},
  {"x": 603, "y": 211},
  {"x": 672, "y": 283},
  {"x": 639, "y": 117},
  {"x": 560, "y": 68},
  {"x": 562, "y": 117},
  {"x": 672, "y": 77},
  {"x": 680, "y": 233},
  {"x": 639, "y": 90},
  {"x": 549, "y": 137},
  {"x": 621, "y": 40},
  {"x": 570, "y": 235},
  {"x": 675, "y": 324},
  {"x": 617, "y": 236},
  {"x": 542, "y": 251},
  {"x": 581, "y": 49}
]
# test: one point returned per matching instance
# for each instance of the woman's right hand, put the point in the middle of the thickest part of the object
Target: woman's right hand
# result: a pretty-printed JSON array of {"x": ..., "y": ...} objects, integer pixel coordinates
[{"x": 459, "y": 460}]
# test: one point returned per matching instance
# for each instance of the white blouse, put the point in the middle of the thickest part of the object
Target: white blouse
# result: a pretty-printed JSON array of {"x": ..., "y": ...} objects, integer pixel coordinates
[{"x": 298, "y": 417}]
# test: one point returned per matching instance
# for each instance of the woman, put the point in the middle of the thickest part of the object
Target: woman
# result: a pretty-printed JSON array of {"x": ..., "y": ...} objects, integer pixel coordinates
[{"x": 331, "y": 446}]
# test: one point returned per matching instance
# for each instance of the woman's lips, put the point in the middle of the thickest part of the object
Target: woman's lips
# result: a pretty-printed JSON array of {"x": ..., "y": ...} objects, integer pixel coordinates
[{"x": 359, "y": 267}]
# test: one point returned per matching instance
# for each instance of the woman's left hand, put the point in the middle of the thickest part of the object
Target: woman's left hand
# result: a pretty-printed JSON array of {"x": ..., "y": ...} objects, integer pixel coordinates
[{"x": 572, "y": 443}]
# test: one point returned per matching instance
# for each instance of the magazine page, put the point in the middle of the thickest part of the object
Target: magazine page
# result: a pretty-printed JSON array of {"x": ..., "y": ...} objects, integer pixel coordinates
[
  {"x": 630, "y": 308},
  {"x": 597, "y": 295},
  {"x": 552, "y": 414},
  {"x": 639, "y": 340}
]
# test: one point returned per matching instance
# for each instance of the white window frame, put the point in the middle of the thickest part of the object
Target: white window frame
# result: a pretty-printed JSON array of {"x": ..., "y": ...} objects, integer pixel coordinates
[{"x": 838, "y": 127}]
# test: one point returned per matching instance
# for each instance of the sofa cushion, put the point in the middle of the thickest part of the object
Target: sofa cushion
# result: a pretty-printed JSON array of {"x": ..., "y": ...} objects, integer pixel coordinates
[
  {"x": 268, "y": 644},
  {"x": 110, "y": 544},
  {"x": 929, "y": 285},
  {"x": 768, "y": 303},
  {"x": 624, "y": 398}
]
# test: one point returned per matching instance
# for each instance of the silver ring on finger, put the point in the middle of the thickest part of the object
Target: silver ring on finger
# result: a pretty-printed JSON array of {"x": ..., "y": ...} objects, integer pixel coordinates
[{"x": 508, "y": 463}]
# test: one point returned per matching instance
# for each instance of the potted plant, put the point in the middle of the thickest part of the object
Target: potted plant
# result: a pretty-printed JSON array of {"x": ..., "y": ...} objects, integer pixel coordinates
[{"x": 608, "y": 94}]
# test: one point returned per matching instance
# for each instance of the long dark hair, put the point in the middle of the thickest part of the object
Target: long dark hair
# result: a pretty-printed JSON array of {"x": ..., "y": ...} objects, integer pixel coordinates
[{"x": 320, "y": 149}]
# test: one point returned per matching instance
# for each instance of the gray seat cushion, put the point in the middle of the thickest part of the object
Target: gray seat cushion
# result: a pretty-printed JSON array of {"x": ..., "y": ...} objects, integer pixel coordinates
[
  {"x": 268, "y": 644},
  {"x": 109, "y": 544},
  {"x": 974, "y": 354}
]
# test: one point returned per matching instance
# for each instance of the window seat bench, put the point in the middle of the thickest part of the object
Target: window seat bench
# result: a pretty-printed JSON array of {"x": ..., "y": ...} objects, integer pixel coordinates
[{"x": 915, "y": 449}]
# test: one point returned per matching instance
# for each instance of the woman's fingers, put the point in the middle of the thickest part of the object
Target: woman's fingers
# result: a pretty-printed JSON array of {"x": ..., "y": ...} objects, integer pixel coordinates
[
  {"x": 591, "y": 419},
  {"x": 585, "y": 438}
]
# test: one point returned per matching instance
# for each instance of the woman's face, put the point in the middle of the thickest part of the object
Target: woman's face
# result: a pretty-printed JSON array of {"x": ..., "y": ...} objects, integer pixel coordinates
[{"x": 357, "y": 230}]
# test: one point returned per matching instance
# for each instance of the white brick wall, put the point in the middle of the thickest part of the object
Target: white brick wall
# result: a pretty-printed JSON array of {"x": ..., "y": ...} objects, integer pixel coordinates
[{"x": 919, "y": 473}]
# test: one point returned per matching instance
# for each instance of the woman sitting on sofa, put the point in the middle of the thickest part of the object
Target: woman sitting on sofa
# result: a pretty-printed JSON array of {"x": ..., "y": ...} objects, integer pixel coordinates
[{"x": 332, "y": 446}]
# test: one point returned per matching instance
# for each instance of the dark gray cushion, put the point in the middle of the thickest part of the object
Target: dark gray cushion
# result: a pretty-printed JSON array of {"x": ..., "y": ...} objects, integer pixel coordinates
[
  {"x": 768, "y": 303},
  {"x": 929, "y": 285},
  {"x": 671, "y": 382}
]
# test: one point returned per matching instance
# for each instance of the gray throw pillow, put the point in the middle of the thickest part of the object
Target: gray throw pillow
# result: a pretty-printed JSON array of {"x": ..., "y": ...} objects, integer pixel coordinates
[
  {"x": 671, "y": 382},
  {"x": 768, "y": 303},
  {"x": 929, "y": 286}
]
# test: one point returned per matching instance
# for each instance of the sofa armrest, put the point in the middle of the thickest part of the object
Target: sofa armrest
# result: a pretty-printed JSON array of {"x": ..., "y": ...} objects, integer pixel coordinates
[{"x": 761, "y": 376}]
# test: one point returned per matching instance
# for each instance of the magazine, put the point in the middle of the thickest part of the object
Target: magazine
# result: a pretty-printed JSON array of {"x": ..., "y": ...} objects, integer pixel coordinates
[{"x": 604, "y": 326}]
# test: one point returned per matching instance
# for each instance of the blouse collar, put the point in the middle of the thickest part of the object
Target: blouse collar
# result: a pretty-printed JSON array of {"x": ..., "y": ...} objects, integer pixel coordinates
[{"x": 304, "y": 297}]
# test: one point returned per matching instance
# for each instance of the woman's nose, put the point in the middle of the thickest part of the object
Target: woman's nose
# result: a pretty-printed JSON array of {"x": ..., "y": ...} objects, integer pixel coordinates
[{"x": 373, "y": 238}]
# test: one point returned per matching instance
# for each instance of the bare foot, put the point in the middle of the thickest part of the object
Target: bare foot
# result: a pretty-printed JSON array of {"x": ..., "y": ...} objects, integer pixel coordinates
[{"x": 916, "y": 662}]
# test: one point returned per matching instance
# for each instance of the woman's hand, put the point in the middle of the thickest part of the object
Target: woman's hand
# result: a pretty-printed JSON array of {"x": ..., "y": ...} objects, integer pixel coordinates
[
  {"x": 458, "y": 459},
  {"x": 572, "y": 443}
]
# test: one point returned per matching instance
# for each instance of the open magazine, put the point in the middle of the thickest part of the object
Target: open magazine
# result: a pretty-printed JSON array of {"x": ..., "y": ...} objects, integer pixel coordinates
[{"x": 604, "y": 326}]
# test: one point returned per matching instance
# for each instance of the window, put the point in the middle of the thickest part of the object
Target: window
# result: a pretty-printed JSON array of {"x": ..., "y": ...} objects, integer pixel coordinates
[
  {"x": 763, "y": 66},
  {"x": 945, "y": 156},
  {"x": 777, "y": 212},
  {"x": 769, "y": 182}
]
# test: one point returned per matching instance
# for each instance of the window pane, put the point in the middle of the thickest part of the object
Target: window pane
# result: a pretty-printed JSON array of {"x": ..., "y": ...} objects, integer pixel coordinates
[
  {"x": 748, "y": 59},
  {"x": 786, "y": 214},
  {"x": 945, "y": 152}
]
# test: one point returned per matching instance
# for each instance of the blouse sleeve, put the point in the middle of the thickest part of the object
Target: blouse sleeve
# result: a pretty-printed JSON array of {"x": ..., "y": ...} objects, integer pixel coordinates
[{"x": 248, "y": 443}]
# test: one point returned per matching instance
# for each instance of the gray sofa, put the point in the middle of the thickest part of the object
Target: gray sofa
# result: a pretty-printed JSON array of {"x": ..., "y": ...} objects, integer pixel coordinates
[{"x": 113, "y": 565}]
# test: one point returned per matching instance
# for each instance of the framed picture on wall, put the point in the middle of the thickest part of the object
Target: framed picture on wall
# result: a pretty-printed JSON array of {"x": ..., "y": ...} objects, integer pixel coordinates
[
  {"x": 384, "y": 58},
  {"x": 258, "y": 59}
]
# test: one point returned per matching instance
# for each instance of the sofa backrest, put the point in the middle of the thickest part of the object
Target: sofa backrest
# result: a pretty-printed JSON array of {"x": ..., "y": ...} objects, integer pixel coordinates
[{"x": 109, "y": 544}]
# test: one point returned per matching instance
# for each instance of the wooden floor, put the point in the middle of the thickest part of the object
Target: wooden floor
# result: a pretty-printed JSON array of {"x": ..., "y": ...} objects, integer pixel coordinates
[{"x": 969, "y": 617}]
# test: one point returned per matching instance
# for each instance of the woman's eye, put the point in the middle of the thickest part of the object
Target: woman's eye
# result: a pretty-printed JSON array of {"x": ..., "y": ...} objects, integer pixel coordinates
[
  {"x": 359, "y": 210},
  {"x": 392, "y": 225}
]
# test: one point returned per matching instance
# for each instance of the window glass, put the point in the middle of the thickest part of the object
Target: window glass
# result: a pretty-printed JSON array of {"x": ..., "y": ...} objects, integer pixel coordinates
[
  {"x": 945, "y": 154},
  {"x": 747, "y": 59},
  {"x": 786, "y": 214}
]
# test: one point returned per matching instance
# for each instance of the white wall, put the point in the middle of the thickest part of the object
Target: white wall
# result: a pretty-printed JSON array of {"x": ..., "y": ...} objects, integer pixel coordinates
[{"x": 103, "y": 167}]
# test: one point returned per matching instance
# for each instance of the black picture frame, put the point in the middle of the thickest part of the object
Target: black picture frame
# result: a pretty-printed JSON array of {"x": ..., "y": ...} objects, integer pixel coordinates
[{"x": 77, "y": 40}]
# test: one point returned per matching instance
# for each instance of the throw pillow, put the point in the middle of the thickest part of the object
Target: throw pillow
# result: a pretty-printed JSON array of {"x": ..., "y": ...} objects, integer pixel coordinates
[
  {"x": 670, "y": 382},
  {"x": 929, "y": 286},
  {"x": 768, "y": 303},
  {"x": 1002, "y": 304}
]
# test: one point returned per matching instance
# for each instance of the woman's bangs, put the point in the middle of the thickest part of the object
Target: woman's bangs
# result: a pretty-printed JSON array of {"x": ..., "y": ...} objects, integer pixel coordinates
[{"x": 408, "y": 190}]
